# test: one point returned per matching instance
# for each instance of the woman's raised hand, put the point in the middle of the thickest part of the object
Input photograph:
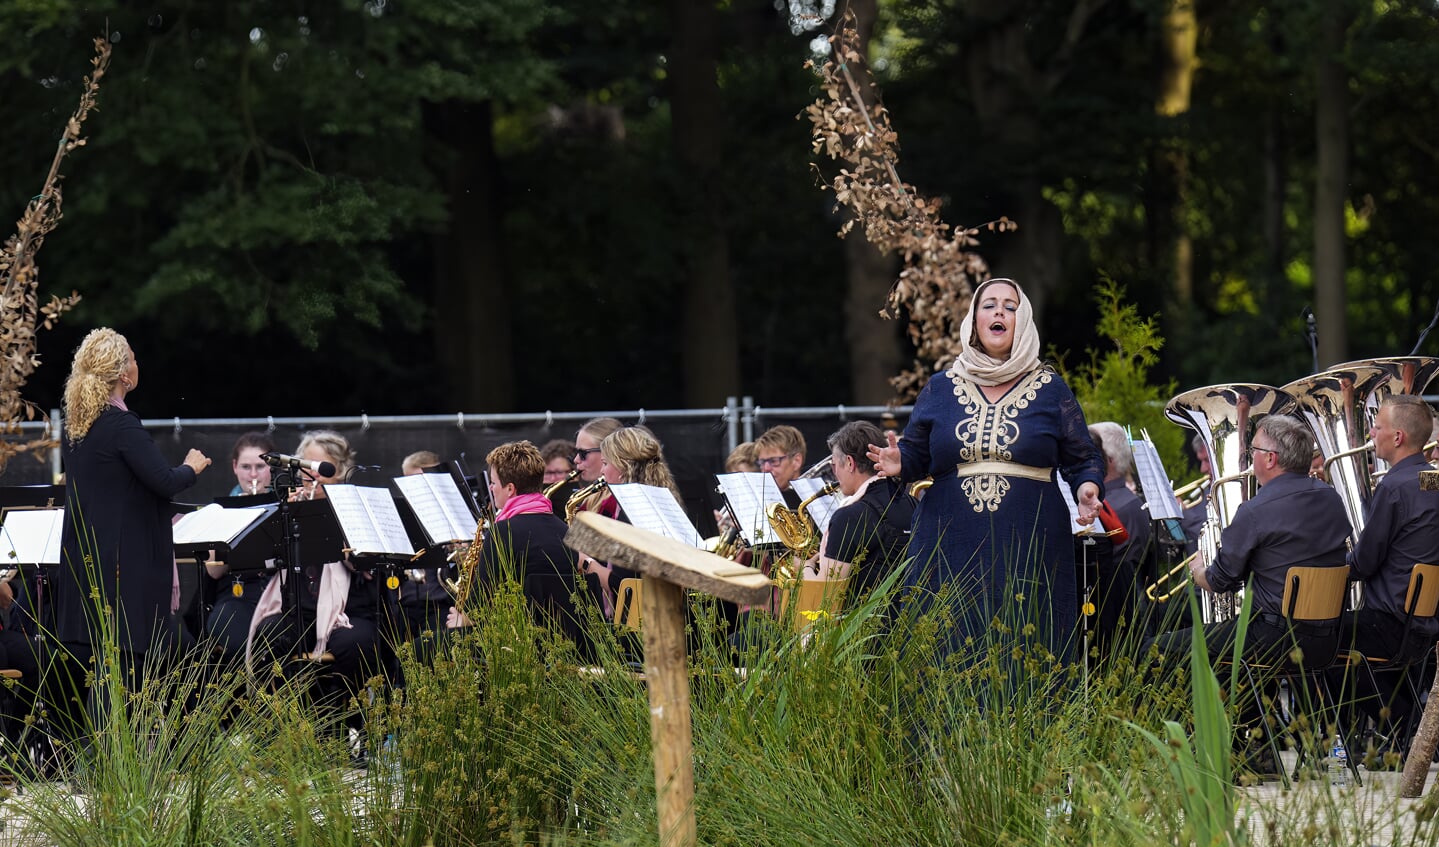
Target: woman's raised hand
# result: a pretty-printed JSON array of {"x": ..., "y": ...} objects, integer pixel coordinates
[{"x": 886, "y": 459}]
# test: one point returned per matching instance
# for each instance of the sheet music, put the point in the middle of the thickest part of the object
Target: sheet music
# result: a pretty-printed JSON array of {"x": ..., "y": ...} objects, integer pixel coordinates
[
  {"x": 369, "y": 520},
  {"x": 748, "y": 494},
  {"x": 215, "y": 525},
  {"x": 1158, "y": 491},
  {"x": 439, "y": 506},
  {"x": 1075, "y": 527},
  {"x": 655, "y": 509},
  {"x": 822, "y": 509},
  {"x": 31, "y": 537}
]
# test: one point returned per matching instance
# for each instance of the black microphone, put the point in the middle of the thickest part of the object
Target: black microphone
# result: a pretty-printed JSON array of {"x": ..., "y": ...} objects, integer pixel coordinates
[{"x": 280, "y": 460}]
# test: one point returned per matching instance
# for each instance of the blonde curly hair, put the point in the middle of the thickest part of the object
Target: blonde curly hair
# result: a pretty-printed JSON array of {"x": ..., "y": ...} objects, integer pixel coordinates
[
  {"x": 336, "y": 447},
  {"x": 100, "y": 360},
  {"x": 640, "y": 458}
]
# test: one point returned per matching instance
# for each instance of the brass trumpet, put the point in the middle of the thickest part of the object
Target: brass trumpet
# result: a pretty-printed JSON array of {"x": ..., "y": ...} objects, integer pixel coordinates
[
  {"x": 1194, "y": 487},
  {"x": 1181, "y": 570}
]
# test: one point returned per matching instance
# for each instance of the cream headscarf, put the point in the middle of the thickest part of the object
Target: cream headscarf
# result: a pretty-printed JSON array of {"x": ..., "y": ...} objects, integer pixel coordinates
[{"x": 976, "y": 365}]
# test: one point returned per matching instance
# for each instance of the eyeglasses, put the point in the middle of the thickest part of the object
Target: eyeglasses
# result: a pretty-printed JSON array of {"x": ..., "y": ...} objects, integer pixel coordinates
[
  {"x": 1253, "y": 450},
  {"x": 583, "y": 453},
  {"x": 773, "y": 460}
]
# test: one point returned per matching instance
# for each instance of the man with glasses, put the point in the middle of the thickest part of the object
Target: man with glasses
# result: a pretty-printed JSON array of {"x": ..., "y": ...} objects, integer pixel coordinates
[
  {"x": 1293, "y": 520},
  {"x": 1401, "y": 529},
  {"x": 780, "y": 453}
]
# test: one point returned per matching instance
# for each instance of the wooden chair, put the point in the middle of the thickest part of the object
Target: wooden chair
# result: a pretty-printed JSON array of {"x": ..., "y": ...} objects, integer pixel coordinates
[
  {"x": 1313, "y": 598},
  {"x": 627, "y": 603},
  {"x": 811, "y": 598},
  {"x": 1409, "y": 661}
]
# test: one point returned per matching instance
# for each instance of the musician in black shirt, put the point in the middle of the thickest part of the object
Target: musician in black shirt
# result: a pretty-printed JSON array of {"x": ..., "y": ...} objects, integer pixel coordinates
[
  {"x": 869, "y": 534},
  {"x": 1400, "y": 530}
]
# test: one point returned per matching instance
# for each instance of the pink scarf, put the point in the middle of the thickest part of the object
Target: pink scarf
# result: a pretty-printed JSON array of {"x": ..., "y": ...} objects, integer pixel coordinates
[{"x": 525, "y": 504}]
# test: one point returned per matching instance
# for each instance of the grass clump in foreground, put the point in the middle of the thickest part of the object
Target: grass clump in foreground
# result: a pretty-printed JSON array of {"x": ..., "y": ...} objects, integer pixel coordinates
[{"x": 859, "y": 736}]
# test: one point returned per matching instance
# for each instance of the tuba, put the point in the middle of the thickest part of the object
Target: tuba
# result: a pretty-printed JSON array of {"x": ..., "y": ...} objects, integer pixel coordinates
[
  {"x": 1339, "y": 405},
  {"x": 1224, "y": 416}
]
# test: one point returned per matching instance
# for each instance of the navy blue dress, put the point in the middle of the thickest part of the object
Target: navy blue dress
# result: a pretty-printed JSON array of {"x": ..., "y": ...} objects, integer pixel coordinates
[{"x": 994, "y": 525}]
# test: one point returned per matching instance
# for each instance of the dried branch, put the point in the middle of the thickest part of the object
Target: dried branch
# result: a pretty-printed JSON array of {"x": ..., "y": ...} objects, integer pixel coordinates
[
  {"x": 19, "y": 304},
  {"x": 939, "y": 267}
]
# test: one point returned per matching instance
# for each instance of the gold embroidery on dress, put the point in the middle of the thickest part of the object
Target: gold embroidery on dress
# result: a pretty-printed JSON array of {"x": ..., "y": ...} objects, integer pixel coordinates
[{"x": 986, "y": 431}]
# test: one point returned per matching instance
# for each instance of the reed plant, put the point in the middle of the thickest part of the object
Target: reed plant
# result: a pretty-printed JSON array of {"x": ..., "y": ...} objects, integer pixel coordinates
[{"x": 864, "y": 728}]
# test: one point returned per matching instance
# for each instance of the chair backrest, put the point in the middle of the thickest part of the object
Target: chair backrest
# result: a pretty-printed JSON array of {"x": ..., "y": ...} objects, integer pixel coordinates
[
  {"x": 1422, "y": 601},
  {"x": 811, "y": 597},
  {"x": 1315, "y": 594},
  {"x": 627, "y": 603}
]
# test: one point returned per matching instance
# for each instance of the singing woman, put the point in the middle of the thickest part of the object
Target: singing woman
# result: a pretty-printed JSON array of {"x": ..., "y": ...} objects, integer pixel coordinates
[{"x": 992, "y": 429}]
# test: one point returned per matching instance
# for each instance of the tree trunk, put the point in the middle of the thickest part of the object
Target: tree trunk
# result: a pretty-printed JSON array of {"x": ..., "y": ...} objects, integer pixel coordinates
[
  {"x": 873, "y": 342},
  {"x": 710, "y": 332},
  {"x": 1421, "y": 749},
  {"x": 1179, "y": 34},
  {"x": 1332, "y": 138},
  {"x": 473, "y": 339}
]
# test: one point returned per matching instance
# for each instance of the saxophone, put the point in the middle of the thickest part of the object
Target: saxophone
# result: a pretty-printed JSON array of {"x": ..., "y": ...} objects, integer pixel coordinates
[
  {"x": 569, "y": 478},
  {"x": 578, "y": 499},
  {"x": 459, "y": 587},
  {"x": 797, "y": 531}
]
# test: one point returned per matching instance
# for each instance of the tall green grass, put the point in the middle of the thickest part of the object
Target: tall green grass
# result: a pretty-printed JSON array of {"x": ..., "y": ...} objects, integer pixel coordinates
[{"x": 860, "y": 732}]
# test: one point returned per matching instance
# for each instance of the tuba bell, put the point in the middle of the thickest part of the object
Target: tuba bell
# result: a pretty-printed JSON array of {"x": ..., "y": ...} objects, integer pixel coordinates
[{"x": 1224, "y": 417}]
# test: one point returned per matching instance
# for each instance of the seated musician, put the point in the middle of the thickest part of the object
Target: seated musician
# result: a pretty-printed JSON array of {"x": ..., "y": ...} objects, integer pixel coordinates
[
  {"x": 228, "y": 623},
  {"x": 779, "y": 452},
  {"x": 422, "y": 599},
  {"x": 526, "y": 541},
  {"x": 17, "y": 652},
  {"x": 559, "y": 456},
  {"x": 1401, "y": 529},
  {"x": 1130, "y": 559},
  {"x": 1194, "y": 515},
  {"x": 869, "y": 533},
  {"x": 630, "y": 454},
  {"x": 339, "y": 603},
  {"x": 252, "y": 473},
  {"x": 587, "y": 446},
  {"x": 1293, "y": 521}
]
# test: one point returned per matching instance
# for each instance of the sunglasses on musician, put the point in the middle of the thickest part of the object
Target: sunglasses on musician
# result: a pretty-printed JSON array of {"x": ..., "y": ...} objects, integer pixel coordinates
[{"x": 582, "y": 453}]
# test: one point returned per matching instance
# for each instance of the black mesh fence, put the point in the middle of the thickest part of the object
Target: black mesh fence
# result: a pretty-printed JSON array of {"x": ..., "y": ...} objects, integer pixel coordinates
[{"x": 695, "y": 443}]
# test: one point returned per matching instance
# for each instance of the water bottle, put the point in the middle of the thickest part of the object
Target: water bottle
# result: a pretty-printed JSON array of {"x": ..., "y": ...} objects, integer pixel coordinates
[{"x": 1338, "y": 764}]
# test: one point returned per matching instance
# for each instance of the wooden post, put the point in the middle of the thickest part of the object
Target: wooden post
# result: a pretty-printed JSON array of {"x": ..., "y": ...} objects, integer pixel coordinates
[{"x": 669, "y": 567}]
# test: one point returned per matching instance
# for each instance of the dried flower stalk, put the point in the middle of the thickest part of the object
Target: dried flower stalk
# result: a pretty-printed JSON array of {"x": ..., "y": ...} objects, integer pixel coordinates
[
  {"x": 939, "y": 268},
  {"x": 20, "y": 310}
]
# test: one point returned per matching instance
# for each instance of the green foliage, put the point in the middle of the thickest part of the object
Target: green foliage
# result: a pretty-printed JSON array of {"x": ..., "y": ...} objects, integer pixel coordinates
[{"x": 1115, "y": 384}]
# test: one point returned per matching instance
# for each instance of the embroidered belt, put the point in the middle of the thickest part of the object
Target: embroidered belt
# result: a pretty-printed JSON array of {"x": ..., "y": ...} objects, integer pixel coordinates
[{"x": 1003, "y": 469}]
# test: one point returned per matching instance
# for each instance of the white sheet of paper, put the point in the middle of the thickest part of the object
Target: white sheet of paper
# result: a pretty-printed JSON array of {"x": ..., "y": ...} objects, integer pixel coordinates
[
  {"x": 31, "y": 537},
  {"x": 822, "y": 509},
  {"x": 1074, "y": 525},
  {"x": 655, "y": 509},
  {"x": 439, "y": 506},
  {"x": 214, "y": 525},
  {"x": 748, "y": 494},
  {"x": 1158, "y": 491},
  {"x": 369, "y": 520}
]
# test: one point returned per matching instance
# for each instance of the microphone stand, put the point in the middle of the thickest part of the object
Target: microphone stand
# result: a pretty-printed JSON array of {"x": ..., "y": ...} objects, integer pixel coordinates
[
  {"x": 284, "y": 483},
  {"x": 1313, "y": 333}
]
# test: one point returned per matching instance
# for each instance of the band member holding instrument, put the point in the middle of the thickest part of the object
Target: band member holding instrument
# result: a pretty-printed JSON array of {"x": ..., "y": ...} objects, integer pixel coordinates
[
  {"x": 869, "y": 533},
  {"x": 779, "y": 451},
  {"x": 117, "y": 542},
  {"x": 1196, "y": 513},
  {"x": 1116, "y": 583},
  {"x": 323, "y": 445},
  {"x": 252, "y": 473},
  {"x": 527, "y": 540},
  {"x": 991, "y": 430},
  {"x": 630, "y": 454},
  {"x": 1400, "y": 530},
  {"x": 1293, "y": 520}
]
